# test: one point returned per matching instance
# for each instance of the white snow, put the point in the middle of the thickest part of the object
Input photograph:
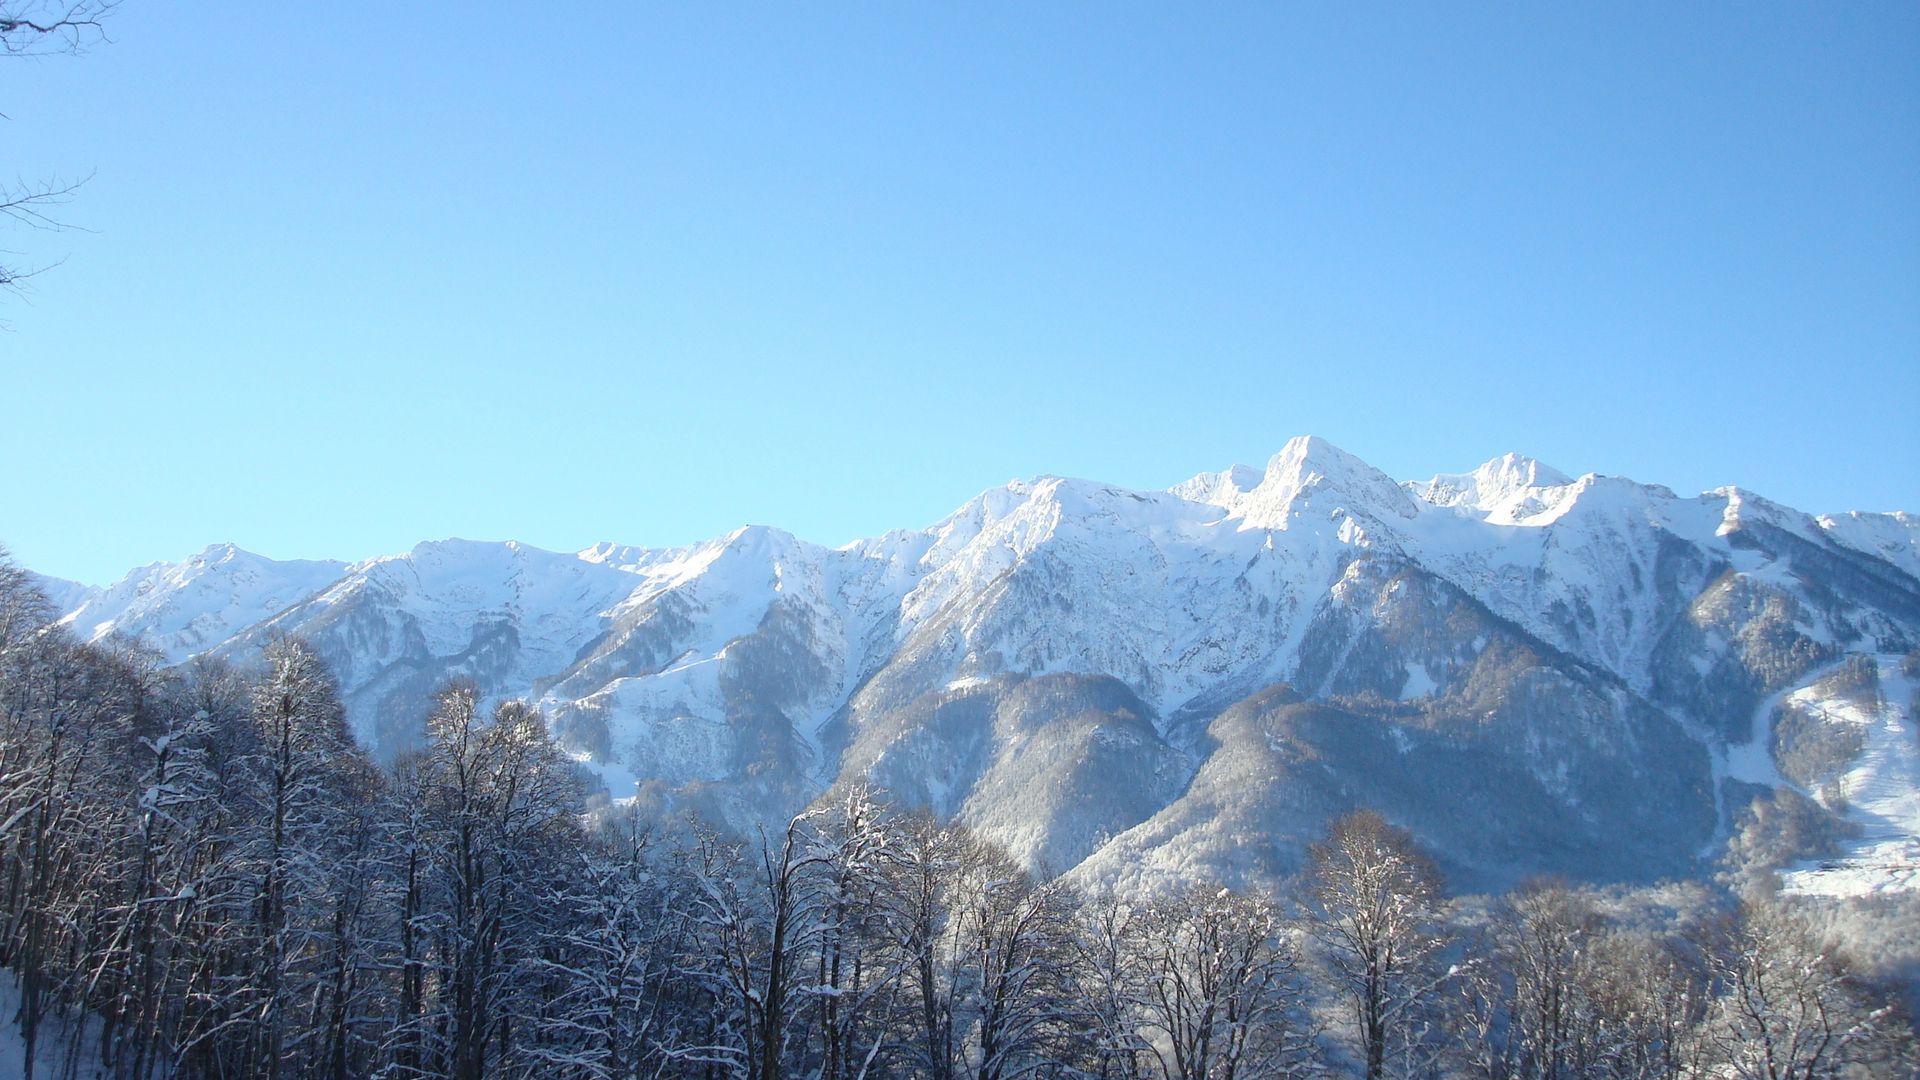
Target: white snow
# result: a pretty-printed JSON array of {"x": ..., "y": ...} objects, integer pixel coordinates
[
  {"x": 52, "y": 1044},
  {"x": 1310, "y": 474},
  {"x": 64, "y": 595},
  {"x": 1171, "y": 591},
  {"x": 196, "y": 604},
  {"x": 1752, "y": 761},
  {"x": 1419, "y": 683},
  {"x": 1894, "y": 537},
  {"x": 1881, "y": 791},
  {"x": 1508, "y": 488}
]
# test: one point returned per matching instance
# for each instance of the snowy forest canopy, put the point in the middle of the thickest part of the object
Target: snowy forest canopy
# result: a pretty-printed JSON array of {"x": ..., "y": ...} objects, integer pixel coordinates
[{"x": 205, "y": 877}]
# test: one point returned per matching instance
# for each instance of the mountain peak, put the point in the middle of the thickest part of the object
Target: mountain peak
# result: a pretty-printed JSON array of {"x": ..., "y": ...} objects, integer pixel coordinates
[
  {"x": 1522, "y": 470},
  {"x": 458, "y": 546},
  {"x": 1894, "y": 537},
  {"x": 1745, "y": 507},
  {"x": 1309, "y": 467},
  {"x": 1508, "y": 485},
  {"x": 1306, "y": 456},
  {"x": 1078, "y": 639},
  {"x": 766, "y": 540},
  {"x": 1309, "y": 446},
  {"x": 192, "y": 605}
]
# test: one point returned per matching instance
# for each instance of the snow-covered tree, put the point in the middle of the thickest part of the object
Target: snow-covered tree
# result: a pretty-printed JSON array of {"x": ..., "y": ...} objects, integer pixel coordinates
[
  {"x": 309, "y": 779},
  {"x": 928, "y": 863},
  {"x": 796, "y": 939},
  {"x": 1012, "y": 968},
  {"x": 1112, "y": 982},
  {"x": 1649, "y": 995},
  {"x": 728, "y": 963},
  {"x": 857, "y": 971},
  {"x": 496, "y": 807},
  {"x": 68, "y": 717},
  {"x": 1789, "y": 1008},
  {"x": 24, "y": 609},
  {"x": 1373, "y": 904},
  {"x": 611, "y": 959},
  {"x": 1223, "y": 995}
]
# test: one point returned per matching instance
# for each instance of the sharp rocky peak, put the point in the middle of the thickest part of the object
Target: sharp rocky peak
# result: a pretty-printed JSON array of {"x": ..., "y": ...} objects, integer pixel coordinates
[
  {"x": 1312, "y": 473},
  {"x": 1744, "y": 508},
  {"x": 1307, "y": 470}
]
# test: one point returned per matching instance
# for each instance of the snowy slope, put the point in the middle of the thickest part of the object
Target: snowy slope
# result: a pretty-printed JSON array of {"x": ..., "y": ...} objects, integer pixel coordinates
[
  {"x": 198, "y": 603},
  {"x": 1878, "y": 791},
  {"x": 65, "y": 596},
  {"x": 503, "y": 614},
  {"x": 1894, "y": 537},
  {"x": 55, "y": 1056}
]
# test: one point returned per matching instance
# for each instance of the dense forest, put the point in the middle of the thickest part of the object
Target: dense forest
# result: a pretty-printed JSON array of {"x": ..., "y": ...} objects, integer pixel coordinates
[{"x": 205, "y": 877}]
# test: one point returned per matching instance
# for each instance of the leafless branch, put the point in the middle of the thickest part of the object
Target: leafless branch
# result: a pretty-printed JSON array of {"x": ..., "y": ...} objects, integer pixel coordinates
[
  {"x": 38, "y": 27},
  {"x": 35, "y": 28},
  {"x": 29, "y": 204}
]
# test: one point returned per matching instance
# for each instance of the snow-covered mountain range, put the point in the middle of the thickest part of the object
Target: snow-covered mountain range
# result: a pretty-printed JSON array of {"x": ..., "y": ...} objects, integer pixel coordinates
[{"x": 1536, "y": 673}]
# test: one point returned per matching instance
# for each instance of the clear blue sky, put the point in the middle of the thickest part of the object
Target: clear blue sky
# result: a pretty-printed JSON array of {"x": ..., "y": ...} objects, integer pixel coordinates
[{"x": 358, "y": 275}]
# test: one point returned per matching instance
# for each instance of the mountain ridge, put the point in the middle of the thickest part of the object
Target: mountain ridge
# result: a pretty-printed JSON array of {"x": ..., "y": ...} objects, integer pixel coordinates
[{"x": 1106, "y": 648}]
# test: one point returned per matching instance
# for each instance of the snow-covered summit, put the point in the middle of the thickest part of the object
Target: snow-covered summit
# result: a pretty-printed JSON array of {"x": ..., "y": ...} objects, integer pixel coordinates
[
  {"x": 1742, "y": 508},
  {"x": 1507, "y": 489},
  {"x": 196, "y": 604},
  {"x": 1312, "y": 476},
  {"x": 1309, "y": 478}
]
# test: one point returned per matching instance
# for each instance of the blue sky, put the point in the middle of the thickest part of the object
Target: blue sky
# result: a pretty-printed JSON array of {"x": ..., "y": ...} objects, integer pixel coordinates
[{"x": 357, "y": 275}]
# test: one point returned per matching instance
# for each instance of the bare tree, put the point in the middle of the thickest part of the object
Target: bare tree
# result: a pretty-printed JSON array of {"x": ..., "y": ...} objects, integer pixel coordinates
[
  {"x": 1372, "y": 900},
  {"x": 611, "y": 958},
  {"x": 929, "y": 859},
  {"x": 1223, "y": 996},
  {"x": 309, "y": 776},
  {"x": 731, "y": 935},
  {"x": 1528, "y": 997},
  {"x": 31, "y": 206},
  {"x": 68, "y": 715},
  {"x": 801, "y": 950},
  {"x": 757, "y": 923},
  {"x": 1648, "y": 995},
  {"x": 1012, "y": 969},
  {"x": 858, "y": 970},
  {"x": 35, "y": 28},
  {"x": 24, "y": 610},
  {"x": 1789, "y": 1009},
  {"x": 1112, "y": 985},
  {"x": 498, "y": 808}
]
